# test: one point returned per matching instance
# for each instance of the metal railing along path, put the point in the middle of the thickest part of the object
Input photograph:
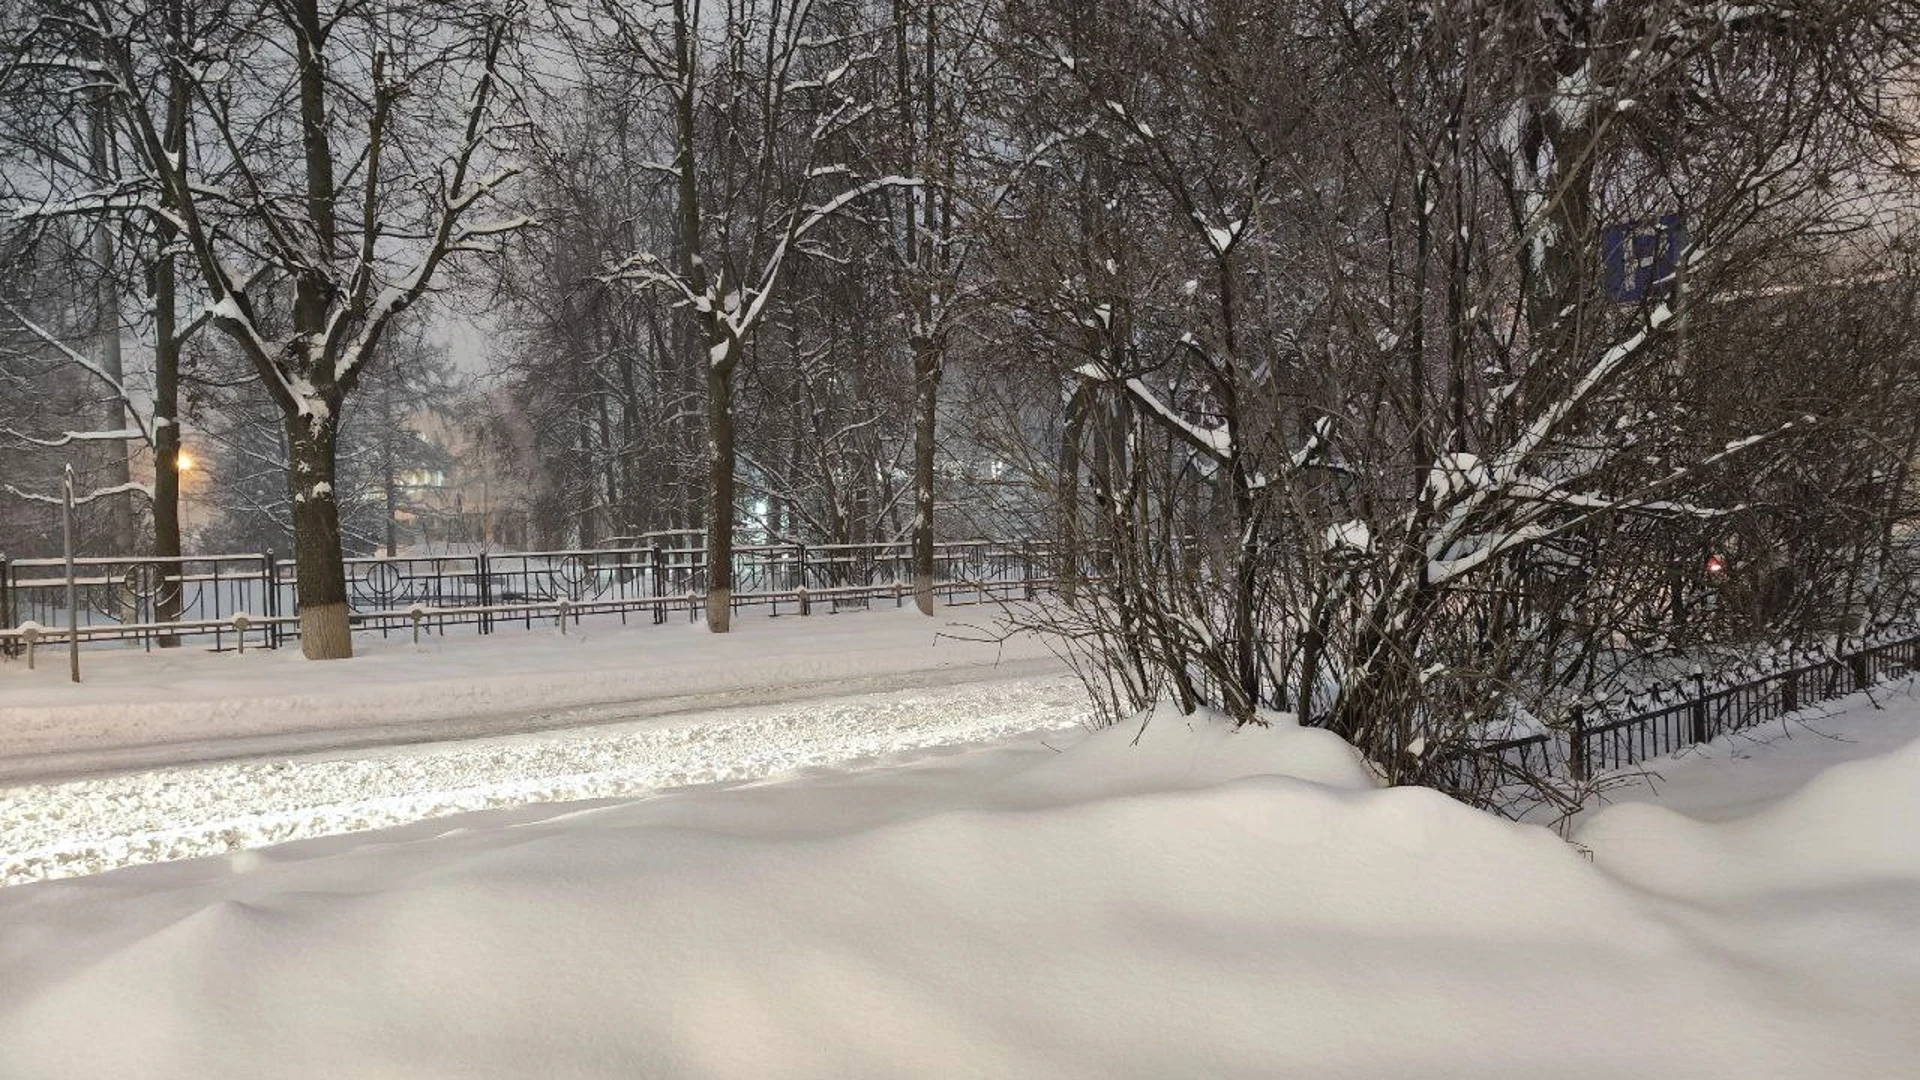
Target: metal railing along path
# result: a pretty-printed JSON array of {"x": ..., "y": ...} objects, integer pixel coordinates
[{"x": 235, "y": 601}]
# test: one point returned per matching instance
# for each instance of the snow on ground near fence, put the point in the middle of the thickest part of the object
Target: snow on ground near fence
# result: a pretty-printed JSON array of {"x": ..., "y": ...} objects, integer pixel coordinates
[
  {"x": 86, "y": 826},
  {"x": 1206, "y": 903},
  {"x": 142, "y": 710}
]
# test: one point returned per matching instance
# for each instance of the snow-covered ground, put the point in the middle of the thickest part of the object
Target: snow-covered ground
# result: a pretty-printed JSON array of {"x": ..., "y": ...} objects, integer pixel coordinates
[
  {"x": 83, "y": 826},
  {"x": 1201, "y": 903},
  {"x": 245, "y": 751},
  {"x": 139, "y": 710}
]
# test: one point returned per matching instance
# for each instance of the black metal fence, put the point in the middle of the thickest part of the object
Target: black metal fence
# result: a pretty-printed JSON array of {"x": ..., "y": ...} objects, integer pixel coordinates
[
  {"x": 249, "y": 600},
  {"x": 1608, "y": 734},
  {"x": 1599, "y": 735},
  {"x": 237, "y": 601}
]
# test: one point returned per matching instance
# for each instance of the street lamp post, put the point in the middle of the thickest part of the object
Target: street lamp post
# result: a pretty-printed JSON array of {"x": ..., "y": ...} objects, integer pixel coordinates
[{"x": 183, "y": 463}]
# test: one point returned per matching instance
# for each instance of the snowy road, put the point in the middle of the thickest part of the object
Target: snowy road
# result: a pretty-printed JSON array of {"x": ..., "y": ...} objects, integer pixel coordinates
[
  {"x": 44, "y": 766},
  {"x": 167, "y": 756},
  {"x": 85, "y": 826},
  {"x": 150, "y": 710}
]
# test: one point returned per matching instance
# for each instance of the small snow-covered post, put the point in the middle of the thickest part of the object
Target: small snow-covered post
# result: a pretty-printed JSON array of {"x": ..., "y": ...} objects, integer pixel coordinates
[
  {"x": 563, "y": 606},
  {"x": 806, "y": 606},
  {"x": 73, "y": 604},
  {"x": 30, "y": 633},
  {"x": 241, "y": 620},
  {"x": 416, "y": 613}
]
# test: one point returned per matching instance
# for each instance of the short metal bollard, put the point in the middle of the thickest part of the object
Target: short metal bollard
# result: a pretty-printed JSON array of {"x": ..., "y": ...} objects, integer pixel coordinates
[
  {"x": 241, "y": 620},
  {"x": 563, "y": 605},
  {"x": 30, "y": 631},
  {"x": 417, "y": 612}
]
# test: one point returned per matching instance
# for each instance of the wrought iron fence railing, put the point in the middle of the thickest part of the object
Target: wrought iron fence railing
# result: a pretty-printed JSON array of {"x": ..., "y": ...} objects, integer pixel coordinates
[
  {"x": 1609, "y": 734},
  {"x": 1600, "y": 735},
  {"x": 241, "y": 601},
  {"x": 197, "y": 598}
]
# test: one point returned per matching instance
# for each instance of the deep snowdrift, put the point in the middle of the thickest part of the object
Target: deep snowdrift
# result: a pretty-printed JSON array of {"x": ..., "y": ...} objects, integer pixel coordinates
[{"x": 1204, "y": 904}]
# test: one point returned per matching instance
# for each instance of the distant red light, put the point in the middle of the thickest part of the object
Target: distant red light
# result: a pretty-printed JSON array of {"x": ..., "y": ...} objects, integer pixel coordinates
[{"x": 1716, "y": 565}]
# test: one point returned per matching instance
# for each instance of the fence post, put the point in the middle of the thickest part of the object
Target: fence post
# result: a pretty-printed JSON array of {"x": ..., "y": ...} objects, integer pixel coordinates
[
  {"x": 1026, "y": 566},
  {"x": 659, "y": 560},
  {"x": 484, "y": 566},
  {"x": 806, "y": 605},
  {"x": 6, "y": 604},
  {"x": 1858, "y": 662},
  {"x": 1790, "y": 691},
  {"x": 1577, "y": 744},
  {"x": 269, "y": 596},
  {"x": 800, "y": 558},
  {"x": 1700, "y": 733}
]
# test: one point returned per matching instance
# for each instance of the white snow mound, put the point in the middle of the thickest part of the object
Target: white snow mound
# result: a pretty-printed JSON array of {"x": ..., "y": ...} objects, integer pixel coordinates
[{"x": 1207, "y": 903}]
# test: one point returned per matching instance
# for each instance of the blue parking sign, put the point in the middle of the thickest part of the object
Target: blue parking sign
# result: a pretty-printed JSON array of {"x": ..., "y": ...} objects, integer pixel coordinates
[{"x": 1639, "y": 259}]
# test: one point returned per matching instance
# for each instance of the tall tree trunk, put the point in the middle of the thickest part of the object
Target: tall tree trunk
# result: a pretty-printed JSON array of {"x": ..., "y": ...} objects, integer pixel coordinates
[
  {"x": 1069, "y": 555},
  {"x": 926, "y": 385},
  {"x": 1246, "y": 644},
  {"x": 320, "y": 577},
  {"x": 166, "y": 440},
  {"x": 167, "y": 347},
  {"x": 389, "y": 481},
  {"x": 720, "y": 496},
  {"x": 114, "y": 469}
]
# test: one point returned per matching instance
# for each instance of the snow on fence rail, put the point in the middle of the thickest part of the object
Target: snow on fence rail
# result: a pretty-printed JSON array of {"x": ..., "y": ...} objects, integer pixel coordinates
[
  {"x": 1616, "y": 731},
  {"x": 1605, "y": 734},
  {"x": 154, "y": 600}
]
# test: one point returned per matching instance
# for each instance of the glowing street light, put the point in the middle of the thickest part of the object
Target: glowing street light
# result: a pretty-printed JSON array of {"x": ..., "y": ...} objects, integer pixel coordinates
[{"x": 183, "y": 463}]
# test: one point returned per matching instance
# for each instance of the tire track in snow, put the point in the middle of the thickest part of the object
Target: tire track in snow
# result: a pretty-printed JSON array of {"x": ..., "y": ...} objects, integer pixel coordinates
[{"x": 87, "y": 826}]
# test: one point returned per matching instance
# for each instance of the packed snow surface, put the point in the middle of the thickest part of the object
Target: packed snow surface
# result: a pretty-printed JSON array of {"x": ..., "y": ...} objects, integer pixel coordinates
[
  {"x": 1182, "y": 900},
  {"x": 89, "y": 825},
  {"x": 295, "y": 750},
  {"x": 143, "y": 710}
]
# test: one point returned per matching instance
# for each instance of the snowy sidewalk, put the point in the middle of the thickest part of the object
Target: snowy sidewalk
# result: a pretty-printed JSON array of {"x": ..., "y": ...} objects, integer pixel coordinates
[{"x": 146, "y": 710}]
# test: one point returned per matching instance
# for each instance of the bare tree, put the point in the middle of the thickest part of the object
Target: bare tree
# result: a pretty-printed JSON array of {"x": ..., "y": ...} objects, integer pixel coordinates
[
  {"x": 754, "y": 106},
  {"x": 349, "y": 176}
]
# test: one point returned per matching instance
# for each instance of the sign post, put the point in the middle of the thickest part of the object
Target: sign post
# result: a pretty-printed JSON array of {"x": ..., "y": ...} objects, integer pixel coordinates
[{"x": 73, "y": 606}]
